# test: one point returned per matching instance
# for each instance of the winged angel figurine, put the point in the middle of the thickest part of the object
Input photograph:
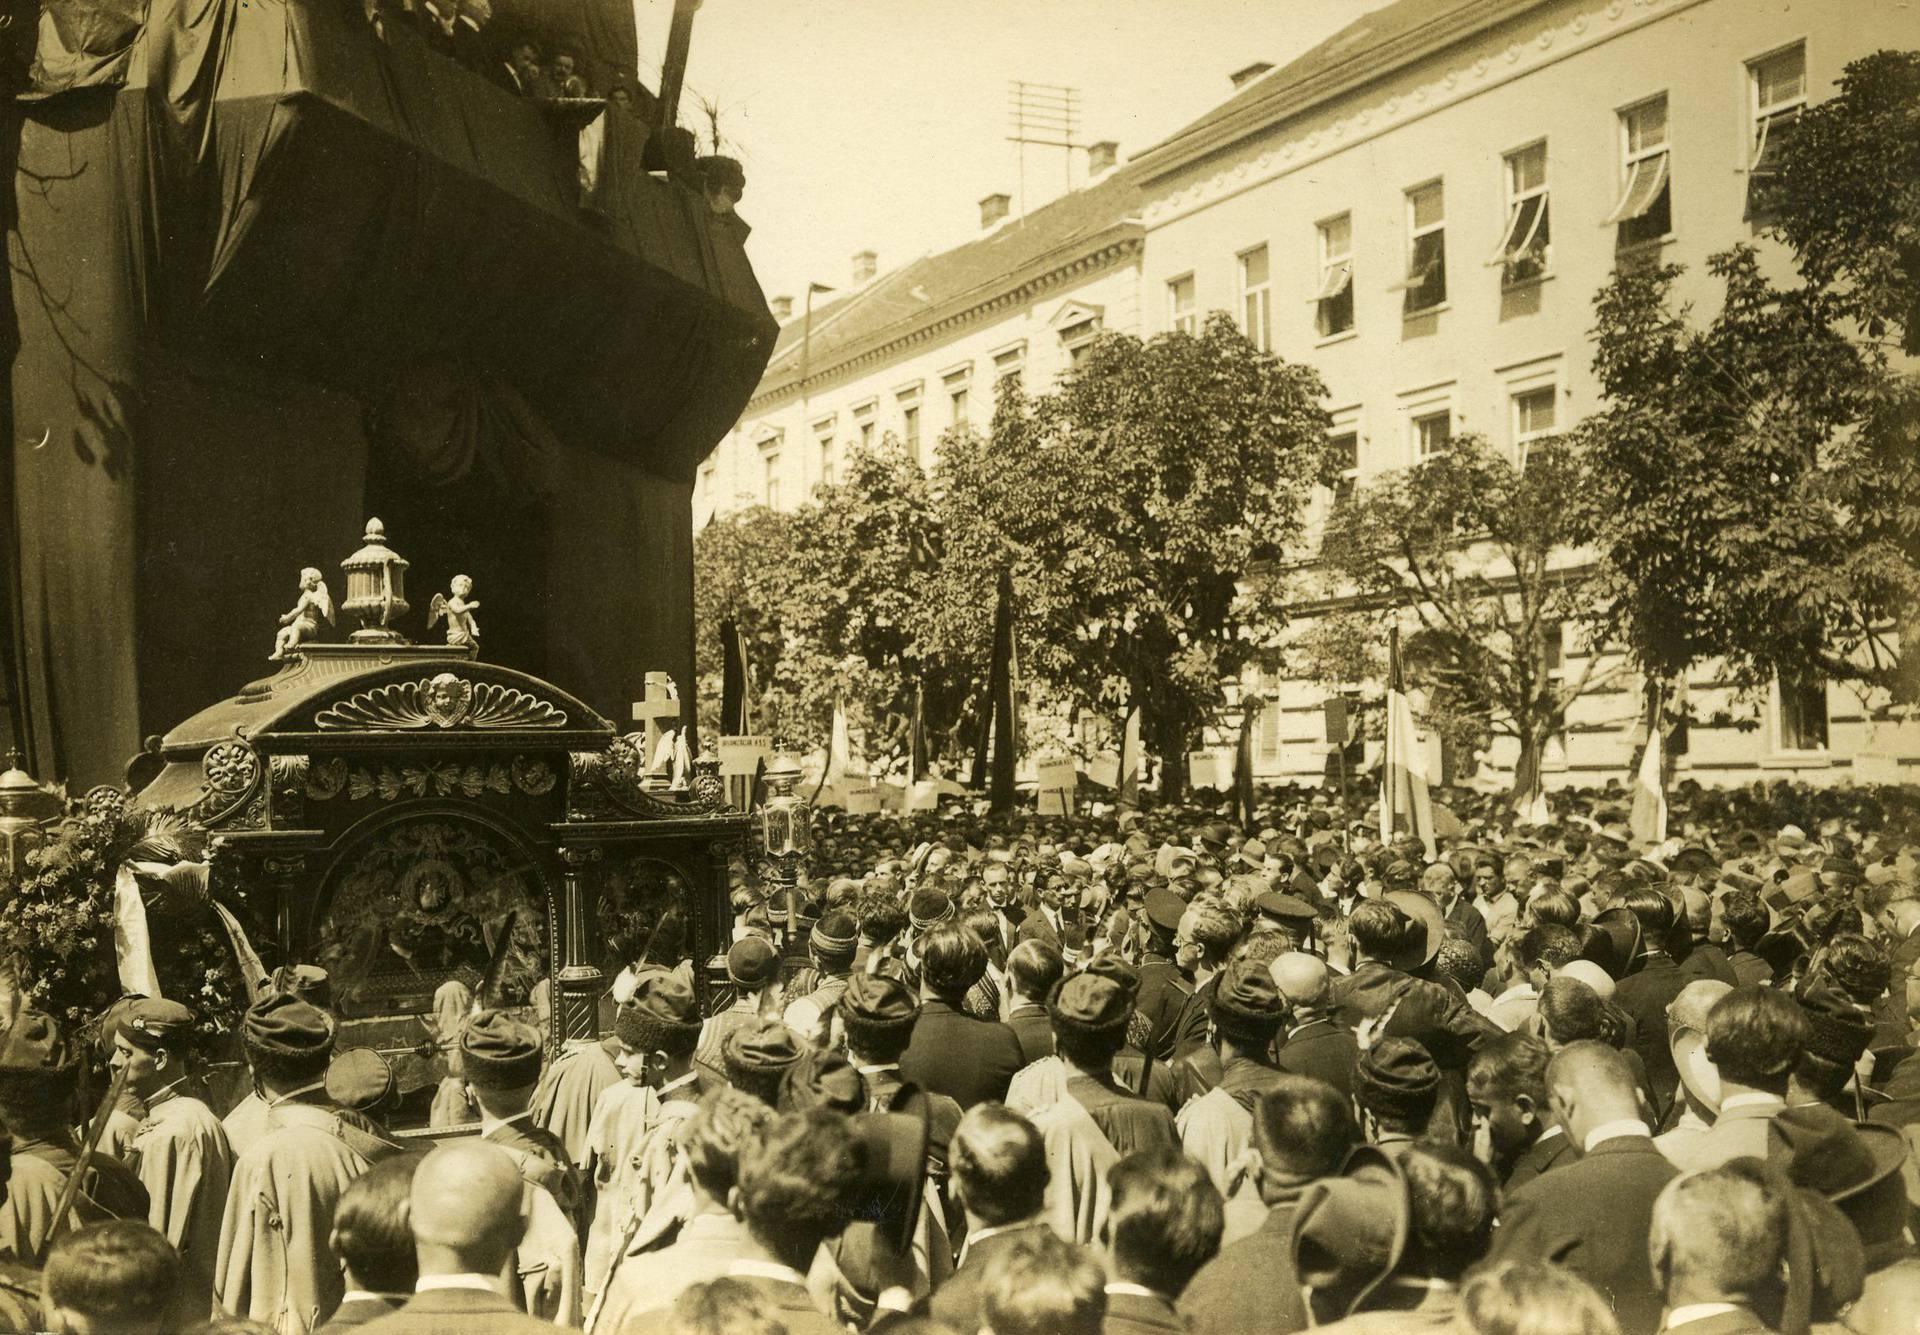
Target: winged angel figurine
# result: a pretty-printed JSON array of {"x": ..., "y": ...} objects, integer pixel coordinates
[
  {"x": 301, "y": 622},
  {"x": 463, "y": 631}
]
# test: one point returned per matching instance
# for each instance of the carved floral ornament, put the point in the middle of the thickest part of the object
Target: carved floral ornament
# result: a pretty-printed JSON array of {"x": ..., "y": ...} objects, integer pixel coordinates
[
  {"x": 442, "y": 701},
  {"x": 328, "y": 779}
]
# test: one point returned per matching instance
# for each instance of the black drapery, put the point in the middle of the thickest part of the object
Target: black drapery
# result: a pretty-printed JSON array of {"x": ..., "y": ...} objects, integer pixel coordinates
[{"x": 290, "y": 275}]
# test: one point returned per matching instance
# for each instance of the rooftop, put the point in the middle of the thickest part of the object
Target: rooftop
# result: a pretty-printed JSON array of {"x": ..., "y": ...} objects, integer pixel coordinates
[{"x": 936, "y": 289}]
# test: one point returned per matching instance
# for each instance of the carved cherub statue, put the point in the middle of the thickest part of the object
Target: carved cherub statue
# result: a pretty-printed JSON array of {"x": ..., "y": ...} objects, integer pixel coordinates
[
  {"x": 302, "y": 621},
  {"x": 463, "y": 630}
]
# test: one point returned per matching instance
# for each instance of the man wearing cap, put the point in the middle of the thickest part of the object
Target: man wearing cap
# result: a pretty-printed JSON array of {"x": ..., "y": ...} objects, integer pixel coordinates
[
  {"x": 1246, "y": 1013},
  {"x": 753, "y": 967},
  {"x": 39, "y": 1084},
  {"x": 246, "y": 1121},
  {"x": 1164, "y": 987},
  {"x": 630, "y": 1156},
  {"x": 830, "y": 945},
  {"x": 1090, "y": 1012},
  {"x": 276, "y": 1264},
  {"x": 500, "y": 1059},
  {"x": 877, "y": 1015},
  {"x": 180, "y": 1152}
]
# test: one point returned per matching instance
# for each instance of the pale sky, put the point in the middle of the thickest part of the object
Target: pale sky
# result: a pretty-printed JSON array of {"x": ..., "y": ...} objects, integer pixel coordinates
[{"x": 879, "y": 124}]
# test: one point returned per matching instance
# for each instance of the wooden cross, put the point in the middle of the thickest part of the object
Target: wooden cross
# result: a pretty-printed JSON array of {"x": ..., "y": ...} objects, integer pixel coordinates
[{"x": 662, "y": 702}]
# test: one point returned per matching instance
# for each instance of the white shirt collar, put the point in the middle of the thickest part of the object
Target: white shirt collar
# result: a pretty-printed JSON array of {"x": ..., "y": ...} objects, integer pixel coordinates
[
  {"x": 1751, "y": 1100},
  {"x": 366, "y": 1296},
  {"x": 484, "y": 1283},
  {"x": 672, "y": 1085},
  {"x": 1680, "y": 1316},
  {"x": 489, "y": 1125},
  {"x": 980, "y": 1235},
  {"x": 1137, "y": 1291},
  {"x": 877, "y": 1067},
  {"x": 1555, "y": 1130},
  {"x": 768, "y": 1270},
  {"x": 1620, "y": 1130}
]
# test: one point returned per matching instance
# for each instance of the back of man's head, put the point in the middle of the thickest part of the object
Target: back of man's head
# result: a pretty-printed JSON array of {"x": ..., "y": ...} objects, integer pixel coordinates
[
  {"x": 1510, "y": 1066},
  {"x": 726, "y": 1122},
  {"x": 1591, "y": 1084},
  {"x": 952, "y": 960},
  {"x": 108, "y": 1278},
  {"x": 1378, "y": 928},
  {"x": 1302, "y": 980},
  {"x": 1451, "y": 1198},
  {"x": 1571, "y": 1011},
  {"x": 1165, "y": 1219},
  {"x": 1040, "y": 1284},
  {"x": 1033, "y": 968},
  {"x": 1756, "y": 1036},
  {"x": 998, "y": 1163},
  {"x": 1718, "y": 1236},
  {"x": 797, "y": 1183},
  {"x": 1745, "y": 917},
  {"x": 1303, "y": 1128},
  {"x": 1548, "y": 945},
  {"x": 464, "y": 1209},
  {"x": 371, "y": 1235}
]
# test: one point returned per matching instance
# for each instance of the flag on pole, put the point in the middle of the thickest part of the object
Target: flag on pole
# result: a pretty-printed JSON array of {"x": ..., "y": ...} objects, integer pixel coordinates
[
  {"x": 1243, "y": 769},
  {"x": 1404, "y": 804},
  {"x": 736, "y": 682},
  {"x": 1130, "y": 758},
  {"x": 917, "y": 739},
  {"x": 1649, "y": 818},
  {"x": 993, "y": 758},
  {"x": 835, "y": 770},
  {"x": 1535, "y": 810}
]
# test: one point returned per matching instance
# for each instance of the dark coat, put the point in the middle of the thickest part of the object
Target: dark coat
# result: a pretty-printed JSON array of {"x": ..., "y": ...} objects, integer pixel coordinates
[
  {"x": 1190, "y": 1027},
  {"x": 1749, "y": 968},
  {"x": 957, "y": 1303},
  {"x": 1163, "y": 993},
  {"x": 1432, "y": 1015},
  {"x": 1250, "y": 1285},
  {"x": 1593, "y": 1216},
  {"x": 1467, "y": 922},
  {"x": 1324, "y": 1050},
  {"x": 1034, "y": 1030},
  {"x": 1708, "y": 961},
  {"x": 970, "y": 1061},
  {"x": 1037, "y": 927},
  {"x": 1135, "y": 1314},
  {"x": 1546, "y": 1153},
  {"x": 1645, "y": 996},
  {"x": 468, "y": 1311},
  {"x": 350, "y": 1316}
]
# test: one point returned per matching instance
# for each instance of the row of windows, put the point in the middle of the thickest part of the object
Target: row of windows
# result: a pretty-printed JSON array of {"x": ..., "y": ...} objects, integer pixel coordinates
[{"x": 1642, "y": 213}]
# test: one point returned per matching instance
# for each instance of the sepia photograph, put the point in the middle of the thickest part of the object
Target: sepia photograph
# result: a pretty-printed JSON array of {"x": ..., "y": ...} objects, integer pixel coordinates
[{"x": 960, "y": 667}]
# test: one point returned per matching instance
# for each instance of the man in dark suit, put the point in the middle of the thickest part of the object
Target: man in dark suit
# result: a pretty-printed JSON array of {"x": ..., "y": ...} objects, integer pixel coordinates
[
  {"x": 1303, "y": 1131},
  {"x": 1032, "y": 970},
  {"x": 1512, "y": 1124},
  {"x": 998, "y": 1175},
  {"x": 1719, "y": 1244},
  {"x": 1164, "y": 986},
  {"x": 464, "y": 1213},
  {"x": 1163, "y": 1225},
  {"x": 1312, "y": 1044},
  {"x": 1646, "y": 993},
  {"x": 374, "y": 1244},
  {"x": 951, "y": 1053},
  {"x": 1592, "y": 1216}
]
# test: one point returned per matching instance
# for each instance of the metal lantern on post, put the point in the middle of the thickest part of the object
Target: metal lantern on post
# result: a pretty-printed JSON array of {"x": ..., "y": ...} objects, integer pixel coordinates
[
  {"x": 786, "y": 833},
  {"x": 25, "y": 810},
  {"x": 376, "y": 589}
]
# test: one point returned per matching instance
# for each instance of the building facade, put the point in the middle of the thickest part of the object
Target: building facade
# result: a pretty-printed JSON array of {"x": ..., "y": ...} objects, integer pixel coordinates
[
  {"x": 1423, "y": 208},
  {"x": 915, "y": 351}
]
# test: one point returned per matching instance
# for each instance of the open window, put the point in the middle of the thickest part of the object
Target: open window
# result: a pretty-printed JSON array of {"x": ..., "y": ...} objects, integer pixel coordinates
[
  {"x": 1333, "y": 299},
  {"x": 1527, "y": 234},
  {"x": 1644, "y": 211},
  {"x": 1426, "y": 282},
  {"x": 1776, "y": 95}
]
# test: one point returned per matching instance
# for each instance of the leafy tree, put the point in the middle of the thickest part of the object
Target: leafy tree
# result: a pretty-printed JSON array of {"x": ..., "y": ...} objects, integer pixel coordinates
[
  {"x": 864, "y": 619},
  {"x": 1479, "y": 552},
  {"x": 1134, "y": 505}
]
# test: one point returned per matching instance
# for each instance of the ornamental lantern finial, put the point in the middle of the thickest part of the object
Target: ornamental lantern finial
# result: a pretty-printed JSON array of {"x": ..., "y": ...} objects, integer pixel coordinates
[{"x": 376, "y": 589}]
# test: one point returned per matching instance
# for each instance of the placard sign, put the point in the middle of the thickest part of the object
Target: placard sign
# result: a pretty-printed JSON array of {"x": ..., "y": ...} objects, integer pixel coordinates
[{"x": 742, "y": 755}]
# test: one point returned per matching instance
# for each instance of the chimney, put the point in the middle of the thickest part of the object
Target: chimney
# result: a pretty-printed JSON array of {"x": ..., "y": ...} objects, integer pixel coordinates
[
  {"x": 1241, "y": 78},
  {"x": 993, "y": 208},
  {"x": 1102, "y": 156},
  {"x": 866, "y": 263},
  {"x": 782, "y": 308}
]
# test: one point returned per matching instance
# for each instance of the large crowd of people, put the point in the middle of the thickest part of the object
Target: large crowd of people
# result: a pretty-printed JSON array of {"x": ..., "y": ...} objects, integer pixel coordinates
[{"x": 1127, "y": 1071}]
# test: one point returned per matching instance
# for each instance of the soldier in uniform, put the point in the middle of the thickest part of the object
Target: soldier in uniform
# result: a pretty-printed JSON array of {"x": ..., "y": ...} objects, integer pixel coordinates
[
  {"x": 246, "y": 1121},
  {"x": 501, "y": 1060},
  {"x": 817, "y": 989},
  {"x": 1164, "y": 986},
  {"x": 179, "y": 1151}
]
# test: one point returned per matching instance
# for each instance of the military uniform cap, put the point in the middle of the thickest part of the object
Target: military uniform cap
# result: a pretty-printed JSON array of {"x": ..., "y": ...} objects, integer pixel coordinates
[
  {"x": 285, "y": 1025},
  {"x": 661, "y": 1015},
  {"x": 1286, "y": 909},
  {"x": 763, "y": 1048},
  {"x": 500, "y": 1052},
  {"x": 877, "y": 999},
  {"x": 1089, "y": 1002},
  {"x": 1165, "y": 909},
  {"x": 1110, "y": 964},
  {"x": 1246, "y": 1003},
  {"x": 752, "y": 962},
  {"x": 152, "y": 1022},
  {"x": 359, "y": 1079}
]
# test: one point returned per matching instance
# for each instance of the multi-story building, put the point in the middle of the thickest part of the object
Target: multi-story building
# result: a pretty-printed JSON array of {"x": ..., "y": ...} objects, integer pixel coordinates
[
  {"x": 1423, "y": 206},
  {"x": 919, "y": 349}
]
